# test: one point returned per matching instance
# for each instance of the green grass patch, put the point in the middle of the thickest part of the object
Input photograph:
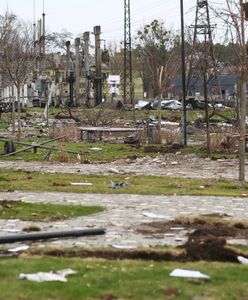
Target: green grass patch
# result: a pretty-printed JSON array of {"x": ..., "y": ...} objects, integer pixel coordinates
[
  {"x": 143, "y": 185},
  {"x": 44, "y": 212},
  {"x": 137, "y": 280},
  {"x": 109, "y": 152}
]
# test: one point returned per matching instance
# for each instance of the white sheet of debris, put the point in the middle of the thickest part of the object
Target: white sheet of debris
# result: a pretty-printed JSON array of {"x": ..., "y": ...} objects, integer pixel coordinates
[
  {"x": 119, "y": 246},
  {"x": 18, "y": 249},
  {"x": 48, "y": 276},
  {"x": 242, "y": 260},
  {"x": 141, "y": 104},
  {"x": 188, "y": 274}
]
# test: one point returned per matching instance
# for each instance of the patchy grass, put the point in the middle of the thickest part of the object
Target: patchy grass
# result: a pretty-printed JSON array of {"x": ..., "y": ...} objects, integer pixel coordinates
[
  {"x": 43, "y": 212},
  {"x": 109, "y": 152},
  {"x": 125, "y": 279},
  {"x": 144, "y": 185}
]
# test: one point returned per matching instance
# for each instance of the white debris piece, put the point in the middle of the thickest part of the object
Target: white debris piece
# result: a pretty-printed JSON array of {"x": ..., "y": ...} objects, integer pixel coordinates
[
  {"x": 48, "y": 276},
  {"x": 96, "y": 149},
  {"x": 177, "y": 228},
  {"x": 154, "y": 216},
  {"x": 123, "y": 246},
  {"x": 188, "y": 273},
  {"x": 13, "y": 220},
  {"x": 18, "y": 249},
  {"x": 142, "y": 104},
  {"x": 81, "y": 183},
  {"x": 243, "y": 260},
  {"x": 11, "y": 230}
]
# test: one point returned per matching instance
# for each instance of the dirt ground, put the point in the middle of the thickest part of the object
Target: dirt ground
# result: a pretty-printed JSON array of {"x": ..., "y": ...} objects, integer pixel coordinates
[
  {"x": 173, "y": 164},
  {"x": 206, "y": 236},
  {"x": 206, "y": 241}
]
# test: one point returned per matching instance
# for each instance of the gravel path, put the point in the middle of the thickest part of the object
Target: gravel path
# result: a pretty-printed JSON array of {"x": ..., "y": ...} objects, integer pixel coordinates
[
  {"x": 122, "y": 216},
  {"x": 125, "y": 212},
  {"x": 189, "y": 166}
]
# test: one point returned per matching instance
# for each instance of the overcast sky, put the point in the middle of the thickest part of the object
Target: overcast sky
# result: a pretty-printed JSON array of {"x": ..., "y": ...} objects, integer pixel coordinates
[{"x": 77, "y": 16}]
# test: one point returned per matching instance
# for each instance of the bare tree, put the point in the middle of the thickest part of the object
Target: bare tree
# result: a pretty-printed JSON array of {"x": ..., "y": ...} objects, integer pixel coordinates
[
  {"x": 158, "y": 51},
  {"x": 235, "y": 15},
  {"x": 16, "y": 61}
]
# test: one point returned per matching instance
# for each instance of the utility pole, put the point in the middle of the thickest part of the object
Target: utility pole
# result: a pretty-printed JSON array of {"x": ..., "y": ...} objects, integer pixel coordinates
[
  {"x": 68, "y": 57},
  {"x": 184, "y": 113},
  {"x": 77, "y": 73},
  {"x": 98, "y": 60},
  {"x": 204, "y": 57},
  {"x": 86, "y": 38},
  {"x": 43, "y": 37},
  {"x": 69, "y": 74},
  {"x": 128, "y": 80}
]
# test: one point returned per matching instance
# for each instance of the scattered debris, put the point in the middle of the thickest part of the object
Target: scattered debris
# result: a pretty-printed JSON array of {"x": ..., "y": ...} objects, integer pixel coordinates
[
  {"x": 132, "y": 140},
  {"x": 143, "y": 104},
  {"x": 82, "y": 183},
  {"x": 109, "y": 297},
  {"x": 48, "y": 276},
  {"x": 115, "y": 185},
  {"x": 206, "y": 238},
  {"x": 96, "y": 149},
  {"x": 172, "y": 293},
  {"x": 123, "y": 246},
  {"x": 60, "y": 184},
  {"x": 115, "y": 171},
  {"x": 188, "y": 274},
  {"x": 243, "y": 260},
  {"x": 177, "y": 228},
  {"x": 171, "y": 104},
  {"x": 32, "y": 228},
  {"x": 19, "y": 249},
  {"x": 154, "y": 216},
  {"x": 34, "y": 145}
]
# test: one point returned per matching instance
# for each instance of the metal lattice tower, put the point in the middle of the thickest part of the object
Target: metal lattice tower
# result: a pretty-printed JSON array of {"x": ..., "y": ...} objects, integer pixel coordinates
[
  {"x": 128, "y": 80},
  {"x": 203, "y": 53},
  {"x": 205, "y": 64},
  {"x": 203, "y": 28},
  {"x": 203, "y": 41}
]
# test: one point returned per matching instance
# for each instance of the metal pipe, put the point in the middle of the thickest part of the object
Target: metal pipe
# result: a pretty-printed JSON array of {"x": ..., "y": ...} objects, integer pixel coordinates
[{"x": 49, "y": 235}]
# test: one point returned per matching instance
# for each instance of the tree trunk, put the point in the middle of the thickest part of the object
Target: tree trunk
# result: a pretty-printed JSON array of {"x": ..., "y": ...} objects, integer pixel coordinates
[
  {"x": 242, "y": 102},
  {"x": 207, "y": 114},
  {"x": 18, "y": 113},
  {"x": 13, "y": 112},
  {"x": 242, "y": 130}
]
